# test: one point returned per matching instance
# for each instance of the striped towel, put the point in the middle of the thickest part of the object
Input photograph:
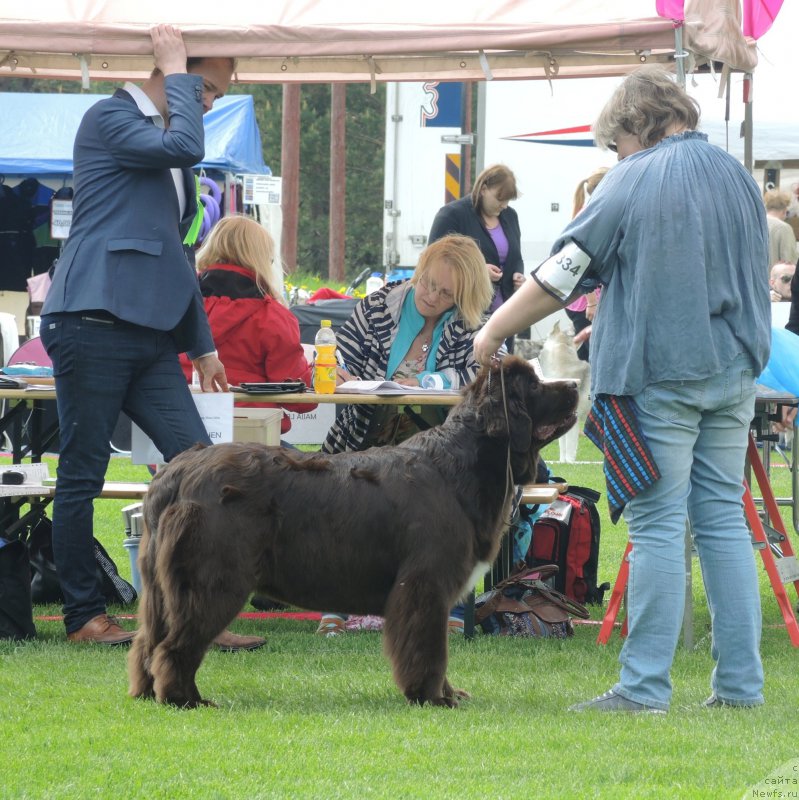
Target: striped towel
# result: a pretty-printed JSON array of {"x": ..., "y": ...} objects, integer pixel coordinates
[{"x": 612, "y": 425}]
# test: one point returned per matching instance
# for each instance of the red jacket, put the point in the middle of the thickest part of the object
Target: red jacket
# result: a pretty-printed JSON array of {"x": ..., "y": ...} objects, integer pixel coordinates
[{"x": 257, "y": 338}]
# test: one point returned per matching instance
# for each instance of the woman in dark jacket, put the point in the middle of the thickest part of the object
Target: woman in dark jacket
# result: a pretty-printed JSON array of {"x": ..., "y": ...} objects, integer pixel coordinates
[{"x": 486, "y": 217}]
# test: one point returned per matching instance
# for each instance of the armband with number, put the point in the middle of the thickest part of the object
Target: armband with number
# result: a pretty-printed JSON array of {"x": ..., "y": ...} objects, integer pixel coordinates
[{"x": 561, "y": 274}]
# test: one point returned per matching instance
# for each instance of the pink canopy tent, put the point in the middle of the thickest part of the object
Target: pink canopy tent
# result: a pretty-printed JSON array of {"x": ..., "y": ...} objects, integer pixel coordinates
[{"x": 351, "y": 40}]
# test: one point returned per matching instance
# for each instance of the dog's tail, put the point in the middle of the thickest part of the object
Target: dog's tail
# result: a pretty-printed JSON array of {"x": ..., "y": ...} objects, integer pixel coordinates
[
  {"x": 202, "y": 580},
  {"x": 172, "y": 574},
  {"x": 157, "y": 604},
  {"x": 156, "y": 612}
]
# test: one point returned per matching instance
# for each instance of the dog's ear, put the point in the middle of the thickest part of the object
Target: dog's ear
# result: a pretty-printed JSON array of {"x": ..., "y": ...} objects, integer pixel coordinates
[
  {"x": 523, "y": 448},
  {"x": 507, "y": 413},
  {"x": 491, "y": 399}
]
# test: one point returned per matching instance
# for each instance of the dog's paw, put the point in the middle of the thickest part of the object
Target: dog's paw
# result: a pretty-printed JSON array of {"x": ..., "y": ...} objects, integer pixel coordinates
[
  {"x": 452, "y": 701},
  {"x": 142, "y": 694},
  {"x": 449, "y": 691},
  {"x": 196, "y": 704}
]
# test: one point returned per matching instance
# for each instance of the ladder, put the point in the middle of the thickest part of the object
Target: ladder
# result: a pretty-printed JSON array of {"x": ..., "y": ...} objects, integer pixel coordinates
[{"x": 771, "y": 540}]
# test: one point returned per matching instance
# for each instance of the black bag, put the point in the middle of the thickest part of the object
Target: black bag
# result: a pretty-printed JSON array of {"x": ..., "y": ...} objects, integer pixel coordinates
[
  {"x": 567, "y": 534},
  {"x": 16, "y": 613},
  {"x": 525, "y": 605},
  {"x": 45, "y": 586}
]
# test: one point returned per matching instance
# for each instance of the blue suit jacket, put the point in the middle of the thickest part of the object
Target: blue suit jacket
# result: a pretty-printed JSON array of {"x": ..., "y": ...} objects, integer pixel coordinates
[{"x": 125, "y": 253}]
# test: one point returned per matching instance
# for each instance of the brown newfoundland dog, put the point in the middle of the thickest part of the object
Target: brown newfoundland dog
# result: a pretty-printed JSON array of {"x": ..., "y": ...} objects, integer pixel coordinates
[{"x": 398, "y": 531}]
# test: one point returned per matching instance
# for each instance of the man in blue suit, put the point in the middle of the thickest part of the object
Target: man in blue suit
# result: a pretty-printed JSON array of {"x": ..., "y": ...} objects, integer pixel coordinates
[{"x": 125, "y": 302}]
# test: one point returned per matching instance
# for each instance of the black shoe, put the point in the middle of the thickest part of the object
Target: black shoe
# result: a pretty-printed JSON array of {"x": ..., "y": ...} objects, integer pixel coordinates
[{"x": 263, "y": 603}]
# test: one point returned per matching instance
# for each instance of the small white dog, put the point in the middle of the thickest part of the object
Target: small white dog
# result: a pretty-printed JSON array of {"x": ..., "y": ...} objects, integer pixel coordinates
[{"x": 559, "y": 361}]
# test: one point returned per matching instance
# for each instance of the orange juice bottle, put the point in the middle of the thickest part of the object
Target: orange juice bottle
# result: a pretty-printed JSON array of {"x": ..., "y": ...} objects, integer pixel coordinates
[{"x": 324, "y": 371}]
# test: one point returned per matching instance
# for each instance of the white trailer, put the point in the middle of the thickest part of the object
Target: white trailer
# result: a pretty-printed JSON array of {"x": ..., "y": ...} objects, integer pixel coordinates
[
  {"x": 415, "y": 166},
  {"x": 518, "y": 124}
]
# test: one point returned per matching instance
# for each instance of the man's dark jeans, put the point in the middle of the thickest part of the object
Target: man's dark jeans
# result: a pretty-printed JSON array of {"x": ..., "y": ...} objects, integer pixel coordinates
[{"x": 102, "y": 366}]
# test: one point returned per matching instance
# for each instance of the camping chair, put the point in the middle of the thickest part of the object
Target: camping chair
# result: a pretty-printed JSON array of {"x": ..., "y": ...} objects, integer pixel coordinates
[
  {"x": 10, "y": 336},
  {"x": 33, "y": 352}
]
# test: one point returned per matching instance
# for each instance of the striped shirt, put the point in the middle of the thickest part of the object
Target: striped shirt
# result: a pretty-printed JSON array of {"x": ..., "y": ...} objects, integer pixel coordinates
[{"x": 364, "y": 342}]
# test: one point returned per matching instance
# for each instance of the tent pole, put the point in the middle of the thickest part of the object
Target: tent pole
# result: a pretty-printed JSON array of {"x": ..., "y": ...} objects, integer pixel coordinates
[
  {"x": 748, "y": 123},
  {"x": 679, "y": 54},
  {"x": 480, "y": 155}
]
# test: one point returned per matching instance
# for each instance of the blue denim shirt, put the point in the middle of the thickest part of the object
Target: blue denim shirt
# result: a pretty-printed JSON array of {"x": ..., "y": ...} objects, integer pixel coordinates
[{"x": 677, "y": 235}]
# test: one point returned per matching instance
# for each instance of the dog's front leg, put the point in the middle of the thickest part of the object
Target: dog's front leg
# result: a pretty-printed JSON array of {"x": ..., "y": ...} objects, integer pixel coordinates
[{"x": 415, "y": 640}]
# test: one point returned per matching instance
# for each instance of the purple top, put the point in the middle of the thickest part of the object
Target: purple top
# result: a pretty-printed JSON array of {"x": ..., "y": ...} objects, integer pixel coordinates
[{"x": 501, "y": 242}]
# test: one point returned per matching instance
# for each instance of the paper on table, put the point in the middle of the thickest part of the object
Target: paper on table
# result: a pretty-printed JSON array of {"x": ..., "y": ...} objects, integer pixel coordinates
[{"x": 385, "y": 387}]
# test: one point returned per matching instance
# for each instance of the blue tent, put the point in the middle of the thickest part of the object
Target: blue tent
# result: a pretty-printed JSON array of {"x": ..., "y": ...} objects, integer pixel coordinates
[{"x": 37, "y": 132}]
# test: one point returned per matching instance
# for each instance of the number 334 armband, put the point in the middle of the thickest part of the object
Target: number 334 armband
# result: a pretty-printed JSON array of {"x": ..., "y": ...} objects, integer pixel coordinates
[{"x": 563, "y": 272}]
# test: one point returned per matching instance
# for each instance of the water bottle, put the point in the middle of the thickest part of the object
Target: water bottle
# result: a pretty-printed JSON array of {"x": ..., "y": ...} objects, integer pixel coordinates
[{"x": 324, "y": 371}]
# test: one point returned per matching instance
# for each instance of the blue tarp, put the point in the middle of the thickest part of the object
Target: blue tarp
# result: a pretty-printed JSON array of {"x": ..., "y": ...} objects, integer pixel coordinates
[
  {"x": 782, "y": 371},
  {"x": 37, "y": 132}
]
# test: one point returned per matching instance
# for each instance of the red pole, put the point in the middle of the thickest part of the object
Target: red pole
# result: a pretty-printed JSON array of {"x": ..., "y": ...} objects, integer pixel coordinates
[
  {"x": 290, "y": 170},
  {"x": 338, "y": 182}
]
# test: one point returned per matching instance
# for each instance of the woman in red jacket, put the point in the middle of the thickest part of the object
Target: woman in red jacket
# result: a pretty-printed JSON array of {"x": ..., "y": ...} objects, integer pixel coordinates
[{"x": 256, "y": 336}]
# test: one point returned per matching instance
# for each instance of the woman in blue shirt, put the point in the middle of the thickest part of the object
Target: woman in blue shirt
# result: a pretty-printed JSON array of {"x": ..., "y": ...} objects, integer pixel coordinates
[{"x": 676, "y": 234}]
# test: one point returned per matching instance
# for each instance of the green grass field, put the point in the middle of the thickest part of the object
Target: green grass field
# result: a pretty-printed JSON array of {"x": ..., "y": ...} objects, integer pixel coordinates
[{"x": 307, "y": 717}]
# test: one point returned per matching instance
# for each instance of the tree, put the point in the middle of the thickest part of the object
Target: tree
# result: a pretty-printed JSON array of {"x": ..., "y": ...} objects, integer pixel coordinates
[{"x": 365, "y": 167}]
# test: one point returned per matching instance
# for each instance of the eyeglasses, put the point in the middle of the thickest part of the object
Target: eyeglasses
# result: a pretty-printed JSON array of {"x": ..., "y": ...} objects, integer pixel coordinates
[
  {"x": 786, "y": 278},
  {"x": 431, "y": 288},
  {"x": 612, "y": 147}
]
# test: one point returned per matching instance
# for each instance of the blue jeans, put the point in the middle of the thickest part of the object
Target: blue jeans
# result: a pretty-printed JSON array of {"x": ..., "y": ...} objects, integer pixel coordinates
[
  {"x": 698, "y": 432},
  {"x": 103, "y": 366}
]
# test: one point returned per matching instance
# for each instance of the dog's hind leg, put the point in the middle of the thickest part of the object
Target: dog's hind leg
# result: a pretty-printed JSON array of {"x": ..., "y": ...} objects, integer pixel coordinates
[
  {"x": 194, "y": 619},
  {"x": 203, "y": 586},
  {"x": 174, "y": 665},
  {"x": 415, "y": 640}
]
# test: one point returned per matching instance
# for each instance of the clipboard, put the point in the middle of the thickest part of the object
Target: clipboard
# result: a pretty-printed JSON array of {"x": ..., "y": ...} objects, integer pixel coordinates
[{"x": 278, "y": 387}]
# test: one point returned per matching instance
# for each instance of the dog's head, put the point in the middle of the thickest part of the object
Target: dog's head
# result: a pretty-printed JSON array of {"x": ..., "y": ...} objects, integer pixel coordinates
[{"x": 515, "y": 405}]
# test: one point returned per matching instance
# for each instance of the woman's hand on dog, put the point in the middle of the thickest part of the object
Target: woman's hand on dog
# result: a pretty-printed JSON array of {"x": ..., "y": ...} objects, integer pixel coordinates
[
  {"x": 582, "y": 336},
  {"x": 485, "y": 346}
]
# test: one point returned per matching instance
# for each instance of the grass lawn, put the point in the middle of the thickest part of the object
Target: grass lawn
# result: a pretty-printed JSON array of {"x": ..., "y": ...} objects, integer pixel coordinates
[{"x": 307, "y": 717}]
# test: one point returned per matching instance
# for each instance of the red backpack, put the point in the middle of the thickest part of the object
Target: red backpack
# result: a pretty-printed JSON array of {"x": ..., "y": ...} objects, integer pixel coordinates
[{"x": 567, "y": 534}]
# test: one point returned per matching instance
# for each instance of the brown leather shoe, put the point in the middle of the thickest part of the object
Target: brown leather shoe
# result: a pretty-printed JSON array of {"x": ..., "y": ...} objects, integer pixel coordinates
[
  {"x": 102, "y": 629},
  {"x": 229, "y": 642}
]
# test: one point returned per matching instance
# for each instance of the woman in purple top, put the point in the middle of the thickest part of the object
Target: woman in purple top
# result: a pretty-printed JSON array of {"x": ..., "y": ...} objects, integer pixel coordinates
[{"x": 486, "y": 216}]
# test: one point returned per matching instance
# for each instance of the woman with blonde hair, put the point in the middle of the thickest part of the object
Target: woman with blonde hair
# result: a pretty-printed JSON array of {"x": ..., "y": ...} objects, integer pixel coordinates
[
  {"x": 416, "y": 332},
  {"x": 256, "y": 336},
  {"x": 582, "y": 311},
  {"x": 585, "y": 188}
]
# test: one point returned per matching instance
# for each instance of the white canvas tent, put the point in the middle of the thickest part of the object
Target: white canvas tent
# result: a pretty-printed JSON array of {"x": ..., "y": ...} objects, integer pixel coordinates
[{"x": 351, "y": 40}]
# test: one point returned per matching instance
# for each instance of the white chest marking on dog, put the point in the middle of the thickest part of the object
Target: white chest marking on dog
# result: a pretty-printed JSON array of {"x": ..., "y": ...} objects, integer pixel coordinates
[{"x": 480, "y": 569}]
